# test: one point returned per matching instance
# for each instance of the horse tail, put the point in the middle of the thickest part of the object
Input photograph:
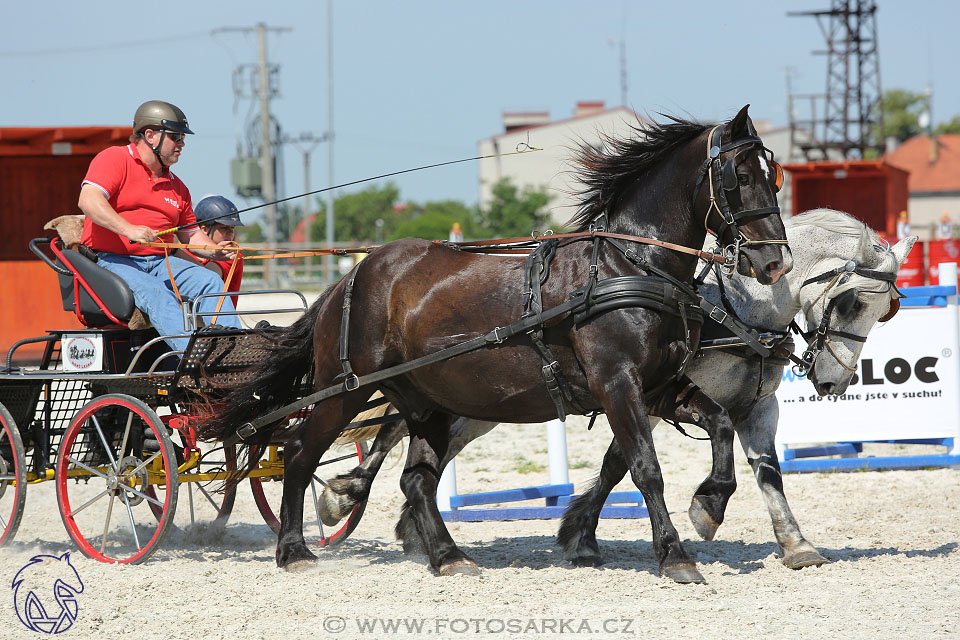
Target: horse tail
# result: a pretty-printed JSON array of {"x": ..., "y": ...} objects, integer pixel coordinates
[{"x": 273, "y": 382}]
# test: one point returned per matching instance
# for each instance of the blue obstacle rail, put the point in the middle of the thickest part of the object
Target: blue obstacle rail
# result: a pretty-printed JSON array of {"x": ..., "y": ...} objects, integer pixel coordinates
[
  {"x": 557, "y": 497},
  {"x": 820, "y": 458}
]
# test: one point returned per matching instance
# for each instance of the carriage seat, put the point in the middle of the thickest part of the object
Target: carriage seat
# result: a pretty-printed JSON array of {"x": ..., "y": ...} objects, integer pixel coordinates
[{"x": 100, "y": 298}]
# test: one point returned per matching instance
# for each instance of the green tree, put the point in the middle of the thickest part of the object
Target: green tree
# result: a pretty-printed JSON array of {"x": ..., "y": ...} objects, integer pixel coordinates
[
  {"x": 951, "y": 126},
  {"x": 250, "y": 233},
  {"x": 513, "y": 211},
  {"x": 434, "y": 220},
  {"x": 356, "y": 214},
  {"x": 901, "y": 114}
]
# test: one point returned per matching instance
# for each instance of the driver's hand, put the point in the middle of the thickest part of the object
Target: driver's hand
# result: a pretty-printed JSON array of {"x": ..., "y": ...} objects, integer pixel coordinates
[
  {"x": 141, "y": 233},
  {"x": 227, "y": 250}
]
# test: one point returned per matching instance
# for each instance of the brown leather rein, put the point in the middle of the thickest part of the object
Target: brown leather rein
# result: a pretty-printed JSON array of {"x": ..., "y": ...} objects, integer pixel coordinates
[{"x": 501, "y": 245}]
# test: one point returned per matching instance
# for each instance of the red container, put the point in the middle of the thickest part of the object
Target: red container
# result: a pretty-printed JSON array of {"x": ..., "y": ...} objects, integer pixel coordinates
[
  {"x": 870, "y": 190},
  {"x": 912, "y": 272},
  {"x": 40, "y": 173},
  {"x": 941, "y": 251}
]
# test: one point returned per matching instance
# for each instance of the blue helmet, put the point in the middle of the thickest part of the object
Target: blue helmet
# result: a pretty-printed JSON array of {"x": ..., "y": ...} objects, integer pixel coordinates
[{"x": 219, "y": 208}]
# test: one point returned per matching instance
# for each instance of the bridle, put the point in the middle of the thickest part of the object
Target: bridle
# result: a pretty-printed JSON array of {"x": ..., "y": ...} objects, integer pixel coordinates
[
  {"x": 722, "y": 178},
  {"x": 819, "y": 339}
]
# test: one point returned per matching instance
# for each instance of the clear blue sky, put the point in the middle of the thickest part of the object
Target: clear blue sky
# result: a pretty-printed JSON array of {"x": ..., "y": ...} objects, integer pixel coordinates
[{"x": 421, "y": 82}]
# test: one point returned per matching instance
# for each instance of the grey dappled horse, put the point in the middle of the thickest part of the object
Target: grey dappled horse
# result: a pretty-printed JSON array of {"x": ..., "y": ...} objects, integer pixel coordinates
[{"x": 822, "y": 240}]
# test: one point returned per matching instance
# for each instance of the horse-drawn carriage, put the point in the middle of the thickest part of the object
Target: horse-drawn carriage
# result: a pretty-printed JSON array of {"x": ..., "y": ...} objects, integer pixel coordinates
[
  {"x": 608, "y": 323},
  {"x": 110, "y": 416}
]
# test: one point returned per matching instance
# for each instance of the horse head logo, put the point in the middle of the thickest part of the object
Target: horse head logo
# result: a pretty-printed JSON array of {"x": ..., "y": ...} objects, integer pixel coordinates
[{"x": 39, "y": 609}]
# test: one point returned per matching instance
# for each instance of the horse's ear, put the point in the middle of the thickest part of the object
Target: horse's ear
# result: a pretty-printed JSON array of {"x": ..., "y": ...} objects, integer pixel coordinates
[
  {"x": 739, "y": 126},
  {"x": 902, "y": 249}
]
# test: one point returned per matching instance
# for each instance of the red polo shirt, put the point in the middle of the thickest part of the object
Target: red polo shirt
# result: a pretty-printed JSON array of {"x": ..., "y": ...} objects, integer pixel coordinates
[{"x": 134, "y": 193}]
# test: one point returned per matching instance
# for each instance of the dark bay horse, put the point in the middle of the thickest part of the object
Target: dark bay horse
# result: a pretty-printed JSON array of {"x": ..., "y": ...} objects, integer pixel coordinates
[
  {"x": 841, "y": 281},
  {"x": 415, "y": 298}
]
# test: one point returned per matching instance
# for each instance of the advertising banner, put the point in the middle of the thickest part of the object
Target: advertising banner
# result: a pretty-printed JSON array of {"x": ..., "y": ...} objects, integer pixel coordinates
[{"x": 907, "y": 385}]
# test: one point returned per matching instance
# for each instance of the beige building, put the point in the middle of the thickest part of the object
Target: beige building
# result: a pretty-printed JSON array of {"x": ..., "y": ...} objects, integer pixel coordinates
[{"x": 551, "y": 167}]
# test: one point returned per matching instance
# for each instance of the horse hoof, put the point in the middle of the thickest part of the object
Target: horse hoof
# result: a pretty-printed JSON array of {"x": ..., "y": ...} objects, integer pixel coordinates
[
  {"x": 329, "y": 508},
  {"x": 299, "y": 566},
  {"x": 586, "y": 561},
  {"x": 804, "y": 559},
  {"x": 685, "y": 573},
  {"x": 705, "y": 526},
  {"x": 460, "y": 568}
]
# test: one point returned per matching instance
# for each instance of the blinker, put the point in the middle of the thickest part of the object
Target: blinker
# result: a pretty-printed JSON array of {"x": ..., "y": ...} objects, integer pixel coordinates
[
  {"x": 778, "y": 180},
  {"x": 729, "y": 178}
]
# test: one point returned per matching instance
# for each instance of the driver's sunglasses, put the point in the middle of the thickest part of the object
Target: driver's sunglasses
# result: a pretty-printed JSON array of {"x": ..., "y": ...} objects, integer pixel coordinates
[{"x": 176, "y": 136}]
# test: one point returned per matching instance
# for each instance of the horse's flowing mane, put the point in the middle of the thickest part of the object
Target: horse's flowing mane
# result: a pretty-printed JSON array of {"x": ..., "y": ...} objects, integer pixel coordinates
[
  {"x": 604, "y": 173},
  {"x": 872, "y": 251}
]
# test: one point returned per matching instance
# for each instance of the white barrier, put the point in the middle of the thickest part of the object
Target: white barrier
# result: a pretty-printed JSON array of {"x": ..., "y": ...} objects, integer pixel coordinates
[
  {"x": 556, "y": 495},
  {"x": 906, "y": 390}
]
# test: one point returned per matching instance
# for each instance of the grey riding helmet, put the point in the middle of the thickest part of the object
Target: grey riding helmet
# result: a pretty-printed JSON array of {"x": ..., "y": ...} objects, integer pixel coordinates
[
  {"x": 217, "y": 209},
  {"x": 160, "y": 115}
]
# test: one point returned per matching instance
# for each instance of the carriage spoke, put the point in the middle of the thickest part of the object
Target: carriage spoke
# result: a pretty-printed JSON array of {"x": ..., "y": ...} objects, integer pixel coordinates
[
  {"x": 90, "y": 501},
  {"x": 209, "y": 498},
  {"x": 316, "y": 506},
  {"x": 103, "y": 439},
  {"x": 126, "y": 434},
  {"x": 106, "y": 523},
  {"x": 4, "y": 478},
  {"x": 3, "y": 523},
  {"x": 141, "y": 494},
  {"x": 143, "y": 464},
  {"x": 133, "y": 525},
  {"x": 85, "y": 467}
]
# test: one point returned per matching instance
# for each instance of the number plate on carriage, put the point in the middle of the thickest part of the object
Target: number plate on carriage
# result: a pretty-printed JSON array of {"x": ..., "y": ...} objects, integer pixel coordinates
[{"x": 82, "y": 352}]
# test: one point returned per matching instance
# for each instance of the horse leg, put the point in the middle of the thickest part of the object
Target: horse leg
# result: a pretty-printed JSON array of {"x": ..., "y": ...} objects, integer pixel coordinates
[
  {"x": 757, "y": 433},
  {"x": 301, "y": 455},
  {"x": 347, "y": 490},
  {"x": 578, "y": 529},
  {"x": 462, "y": 432},
  {"x": 690, "y": 404},
  {"x": 627, "y": 414},
  {"x": 428, "y": 446}
]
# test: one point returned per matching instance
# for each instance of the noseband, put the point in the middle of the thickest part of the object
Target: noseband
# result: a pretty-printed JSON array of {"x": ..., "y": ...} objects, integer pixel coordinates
[
  {"x": 816, "y": 345},
  {"x": 722, "y": 177}
]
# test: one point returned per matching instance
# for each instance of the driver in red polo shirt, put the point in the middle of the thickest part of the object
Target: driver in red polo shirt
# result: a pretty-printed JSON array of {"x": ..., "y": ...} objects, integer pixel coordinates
[{"x": 128, "y": 194}]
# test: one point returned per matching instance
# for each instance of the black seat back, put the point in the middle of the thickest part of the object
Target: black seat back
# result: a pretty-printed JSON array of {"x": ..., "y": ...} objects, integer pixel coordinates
[{"x": 100, "y": 298}]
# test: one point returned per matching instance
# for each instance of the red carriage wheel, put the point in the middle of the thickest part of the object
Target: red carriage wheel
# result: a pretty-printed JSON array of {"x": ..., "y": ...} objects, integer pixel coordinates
[
  {"x": 268, "y": 493},
  {"x": 13, "y": 477},
  {"x": 205, "y": 505},
  {"x": 114, "y": 451}
]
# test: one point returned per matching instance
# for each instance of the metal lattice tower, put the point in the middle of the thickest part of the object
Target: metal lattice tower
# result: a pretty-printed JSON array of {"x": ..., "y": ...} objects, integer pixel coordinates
[{"x": 851, "y": 111}]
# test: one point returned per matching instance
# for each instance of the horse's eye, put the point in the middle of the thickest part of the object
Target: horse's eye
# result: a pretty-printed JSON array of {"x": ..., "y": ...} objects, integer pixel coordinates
[{"x": 744, "y": 180}]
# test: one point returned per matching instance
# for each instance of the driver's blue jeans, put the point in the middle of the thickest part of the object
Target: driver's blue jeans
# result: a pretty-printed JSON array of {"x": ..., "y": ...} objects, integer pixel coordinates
[{"x": 148, "y": 278}]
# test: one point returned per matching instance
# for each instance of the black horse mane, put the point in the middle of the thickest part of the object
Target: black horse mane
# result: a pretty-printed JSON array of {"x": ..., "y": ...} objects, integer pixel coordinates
[{"x": 604, "y": 173}]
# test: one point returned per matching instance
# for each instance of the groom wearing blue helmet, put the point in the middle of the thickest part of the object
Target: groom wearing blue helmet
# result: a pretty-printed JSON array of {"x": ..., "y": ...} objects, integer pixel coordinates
[{"x": 218, "y": 218}]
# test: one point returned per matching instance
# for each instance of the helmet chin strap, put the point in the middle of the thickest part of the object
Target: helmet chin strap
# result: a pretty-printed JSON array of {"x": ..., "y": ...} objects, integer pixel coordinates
[{"x": 156, "y": 149}]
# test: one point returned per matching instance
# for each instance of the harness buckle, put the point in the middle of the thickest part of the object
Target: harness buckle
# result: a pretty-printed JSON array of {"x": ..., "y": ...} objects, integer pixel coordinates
[
  {"x": 497, "y": 338},
  {"x": 246, "y": 430},
  {"x": 722, "y": 317},
  {"x": 351, "y": 382}
]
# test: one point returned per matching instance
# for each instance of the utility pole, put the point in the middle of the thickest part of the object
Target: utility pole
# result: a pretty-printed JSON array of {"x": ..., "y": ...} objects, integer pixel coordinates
[
  {"x": 269, "y": 187},
  {"x": 306, "y": 143},
  {"x": 328, "y": 273}
]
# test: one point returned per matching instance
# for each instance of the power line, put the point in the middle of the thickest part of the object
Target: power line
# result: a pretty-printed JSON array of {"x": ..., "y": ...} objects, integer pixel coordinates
[{"x": 103, "y": 47}]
